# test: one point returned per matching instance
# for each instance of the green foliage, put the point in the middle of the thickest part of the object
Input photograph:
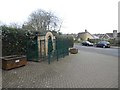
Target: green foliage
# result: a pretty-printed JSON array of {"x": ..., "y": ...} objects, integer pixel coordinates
[
  {"x": 13, "y": 41},
  {"x": 71, "y": 41},
  {"x": 67, "y": 39},
  {"x": 76, "y": 41},
  {"x": 114, "y": 42}
]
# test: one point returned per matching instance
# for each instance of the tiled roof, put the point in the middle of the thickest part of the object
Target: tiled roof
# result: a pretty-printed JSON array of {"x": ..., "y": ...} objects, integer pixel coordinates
[{"x": 110, "y": 35}]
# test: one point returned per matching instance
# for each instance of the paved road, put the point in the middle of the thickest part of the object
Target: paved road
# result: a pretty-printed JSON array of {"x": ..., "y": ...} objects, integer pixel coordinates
[
  {"x": 105, "y": 51},
  {"x": 87, "y": 69}
]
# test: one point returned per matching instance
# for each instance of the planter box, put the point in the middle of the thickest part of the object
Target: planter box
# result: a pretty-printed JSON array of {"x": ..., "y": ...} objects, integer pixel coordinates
[
  {"x": 73, "y": 51},
  {"x": 10, "y": 62}
]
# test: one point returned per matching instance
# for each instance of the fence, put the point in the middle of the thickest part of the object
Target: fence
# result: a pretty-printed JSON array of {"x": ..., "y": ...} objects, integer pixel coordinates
[{"x": 60, "y": 50}]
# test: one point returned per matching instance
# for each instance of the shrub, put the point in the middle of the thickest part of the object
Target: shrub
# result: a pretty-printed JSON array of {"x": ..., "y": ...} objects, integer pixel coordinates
[{"x": 13, "y": 41}]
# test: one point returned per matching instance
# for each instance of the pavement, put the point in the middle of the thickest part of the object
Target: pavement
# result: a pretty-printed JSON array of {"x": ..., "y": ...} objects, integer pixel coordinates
[
  {"x": 82, "y": 70},
  {"x": 115, "y": 47},
  {"x": 0, "y": 79}
]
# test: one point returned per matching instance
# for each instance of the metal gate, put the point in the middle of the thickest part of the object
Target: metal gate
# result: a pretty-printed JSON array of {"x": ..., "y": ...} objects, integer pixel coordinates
[
  {"x": 32, "y": 49},
  {"x": 61, "y": 49}
]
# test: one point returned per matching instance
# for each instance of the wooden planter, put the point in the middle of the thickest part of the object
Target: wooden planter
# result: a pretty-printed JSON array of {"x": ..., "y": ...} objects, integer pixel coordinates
[
  {"x": 10, "y": 62},
  {"x": 73, "y": 51}
]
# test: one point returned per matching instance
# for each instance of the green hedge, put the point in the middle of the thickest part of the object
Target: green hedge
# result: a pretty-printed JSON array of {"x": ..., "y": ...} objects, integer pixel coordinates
[
  {"x": 66, "y": 38},
  {"x": 13, "y": 41}
]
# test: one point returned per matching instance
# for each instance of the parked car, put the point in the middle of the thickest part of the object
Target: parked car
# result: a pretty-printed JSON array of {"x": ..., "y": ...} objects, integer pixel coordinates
[
  {"x": 87, "y": 43},
  {"x": 103, "y": 44}
]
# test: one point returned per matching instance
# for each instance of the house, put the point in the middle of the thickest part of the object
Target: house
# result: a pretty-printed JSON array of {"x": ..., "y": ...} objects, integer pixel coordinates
[
  {"x": 118, "y": 35},
  {"x": 108, "y": 36},
  {"x": 85, "y": 36}
]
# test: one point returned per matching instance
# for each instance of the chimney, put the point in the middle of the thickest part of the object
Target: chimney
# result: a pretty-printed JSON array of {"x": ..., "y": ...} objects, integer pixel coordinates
[
  {"x": 114, "y": 33},
  {"x": 85, "y": 30}
]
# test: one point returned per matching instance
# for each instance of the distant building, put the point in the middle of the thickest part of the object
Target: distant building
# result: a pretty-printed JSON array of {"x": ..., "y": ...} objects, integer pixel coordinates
[
  {"x": 85, "y": 36},
  {"x": 118, "y": 35},
  {"x": 108, "y": 36},
  {"x": 98, "y": 35}
]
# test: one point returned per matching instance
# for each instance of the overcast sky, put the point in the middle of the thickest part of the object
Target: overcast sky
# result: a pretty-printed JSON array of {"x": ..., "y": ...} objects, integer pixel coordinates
[{"x": 97, "y": 16}]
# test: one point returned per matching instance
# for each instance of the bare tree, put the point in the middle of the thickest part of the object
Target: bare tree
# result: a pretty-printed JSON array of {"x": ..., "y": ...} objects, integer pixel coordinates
[
  {"x": 1, "y": 23},
  {"x": 15, "y": 25},
  {"x": 41, "y": 20}
]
